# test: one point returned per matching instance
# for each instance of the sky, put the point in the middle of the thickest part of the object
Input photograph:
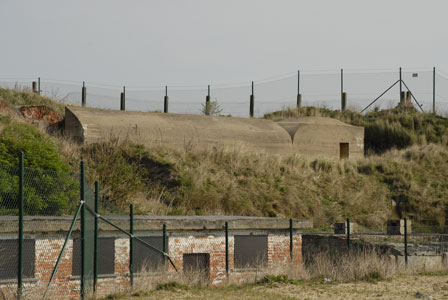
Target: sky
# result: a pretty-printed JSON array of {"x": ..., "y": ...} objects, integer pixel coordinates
[{"x": 199, "y": 42}]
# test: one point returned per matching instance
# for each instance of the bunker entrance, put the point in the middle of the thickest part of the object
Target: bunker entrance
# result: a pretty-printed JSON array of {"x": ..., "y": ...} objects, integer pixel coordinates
[
  {"x": 343, "y": 150},
  {"x": 197, "y": 265}
]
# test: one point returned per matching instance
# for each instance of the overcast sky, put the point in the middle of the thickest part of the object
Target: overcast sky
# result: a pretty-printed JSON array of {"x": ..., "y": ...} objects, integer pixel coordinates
[{"x": 158, "y": 42}]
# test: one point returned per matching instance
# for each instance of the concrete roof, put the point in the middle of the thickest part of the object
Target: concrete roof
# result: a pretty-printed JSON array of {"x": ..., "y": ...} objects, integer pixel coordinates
[{"x": 42, "y": 224}]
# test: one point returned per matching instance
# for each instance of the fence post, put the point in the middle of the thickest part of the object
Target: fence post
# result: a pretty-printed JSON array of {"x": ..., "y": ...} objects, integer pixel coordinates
[
  {"x": 299, "y": 96},
  {"x": 165, "y": 101},
  {"x": 344, "y": 101},
  {"x": 401, "y": 83},
  {"x": 34, "y": 87},
  {"x": 227, "y": 249},
  {"x": 83, "y": 94},
  {"x": 406, "y": 241},
  {"x": 164, "y": 243},
  {"x": 123, "y": 99},
  {"x": 434, "y": 90},
  {"x": 131, "y": 245},
  {"x": 252, "y": 100},
  {"x": 83, "y": 229},
  {"x": 21, "y": 213},
  {"x": 207, "y": 102},
  {"x": 348, "y": 234},
  {"x": 291, "y": 240},
  {"x": 38, "y": 85},
  {"x": 342, "y": 90},
  {"x": 95, "y": 241}
]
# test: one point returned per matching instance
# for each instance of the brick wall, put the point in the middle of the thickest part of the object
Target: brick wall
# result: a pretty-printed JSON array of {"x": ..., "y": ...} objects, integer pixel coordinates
[{"x": 66, "y": 286}]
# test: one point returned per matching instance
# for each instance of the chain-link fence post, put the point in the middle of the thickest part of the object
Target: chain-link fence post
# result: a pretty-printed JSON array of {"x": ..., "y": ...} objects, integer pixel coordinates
[
  {"x": 164, "y": 243},
  {"x": 434, "y": 90},
  {"x": 252, "y": 102},
  {"x": 348, "y": 234},
  {"x": 227, "y": 249},
  {"x": 406, "y": 241},
  {"x": 95, "y": 239},
  {"x": 21, "y": 212},
  {"x": 291, "y": 240},
  {"x": 83, "y": 230},
  {"x": 131, "y": 244},
  {"x": 165, "y": 101}
]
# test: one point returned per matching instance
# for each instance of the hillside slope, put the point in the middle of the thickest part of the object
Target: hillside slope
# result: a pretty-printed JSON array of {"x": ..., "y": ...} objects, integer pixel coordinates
[{"x": 408, "y": 178}]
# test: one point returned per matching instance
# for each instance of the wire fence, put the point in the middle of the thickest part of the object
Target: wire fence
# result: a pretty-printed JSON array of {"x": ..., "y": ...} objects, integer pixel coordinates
[
  {"x": 73, "y": 243},
  {"x": 428, "y": 86}
]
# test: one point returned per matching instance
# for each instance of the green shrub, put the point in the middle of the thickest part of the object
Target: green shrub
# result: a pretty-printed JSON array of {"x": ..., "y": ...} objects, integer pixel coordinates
[{"x": 49, "y": 187}]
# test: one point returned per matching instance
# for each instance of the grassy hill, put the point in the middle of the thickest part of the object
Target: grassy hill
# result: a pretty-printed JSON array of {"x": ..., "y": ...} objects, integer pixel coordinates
[{"x": 404, "y": 172}]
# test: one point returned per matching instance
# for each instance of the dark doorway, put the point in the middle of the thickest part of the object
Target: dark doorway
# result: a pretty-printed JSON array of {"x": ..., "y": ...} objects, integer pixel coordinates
[
  {"x": 251, "y": 251},
  {"x": 197, "y": 265},
  {"x": 344, "y": 150}
]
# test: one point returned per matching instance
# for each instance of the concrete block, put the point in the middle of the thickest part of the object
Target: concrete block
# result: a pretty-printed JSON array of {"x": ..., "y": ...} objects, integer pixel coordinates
[
  {"x": 341, "y": 228},
  {"x": 396, "y": 226}
]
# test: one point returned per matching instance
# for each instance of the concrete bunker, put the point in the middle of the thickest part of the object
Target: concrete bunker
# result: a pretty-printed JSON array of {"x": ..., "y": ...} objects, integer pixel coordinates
[{"x": 309, "y": 136}]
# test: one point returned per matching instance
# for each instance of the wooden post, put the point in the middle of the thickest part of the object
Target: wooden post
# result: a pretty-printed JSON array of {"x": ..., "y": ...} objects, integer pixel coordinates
[
  {"x": 35, "y": 87},
  {"x": 165, "y": 101},
  {"x": 252, "y": 102},
  {"x": 123, "y": 99},
  {"x": 83, "y": 94},
  {"x": 344, "y": 101},
  {"x": 207, "y": 102}
]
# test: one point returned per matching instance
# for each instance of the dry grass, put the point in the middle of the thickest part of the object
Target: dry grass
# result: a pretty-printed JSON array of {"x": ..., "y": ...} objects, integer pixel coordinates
[{"x": 362, "y": 275}]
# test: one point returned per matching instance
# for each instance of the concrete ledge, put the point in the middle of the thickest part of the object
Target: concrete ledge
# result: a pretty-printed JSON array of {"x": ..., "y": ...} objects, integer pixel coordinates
[{"x": 38, "y": 224}]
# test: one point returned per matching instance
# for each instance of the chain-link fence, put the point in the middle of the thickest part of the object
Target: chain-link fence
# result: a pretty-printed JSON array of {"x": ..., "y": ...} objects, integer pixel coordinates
[{"x": 428, "y": 87}]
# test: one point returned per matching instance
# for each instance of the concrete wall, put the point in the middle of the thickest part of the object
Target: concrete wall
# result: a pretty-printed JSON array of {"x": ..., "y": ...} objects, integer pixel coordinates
[{"x": 310, "y": 136}]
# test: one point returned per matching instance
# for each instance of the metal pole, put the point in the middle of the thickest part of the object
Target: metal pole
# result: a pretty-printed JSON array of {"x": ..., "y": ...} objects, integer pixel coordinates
[
  {"x": 348, "y": 234},
  {"x": 291, "y": 240},
  {"x": 164, "y": 242},
  {"x": 83, "y": 229},
  {"x": 298, "y": 82},
  {"x": 252, "y": 100},
  {"x": 207, "y": 102},
  {"x": 401, "y": 84},
  {"x": 123, "y": 99},
  {"x": 165, "y": 101},
  {"x": 131, "y": 244},
  {"x": 434, "y": 90},
  {"x": 95, "y": 245},
  {"x": 78, "y": 210},
  {"x": 83, "y": 94},
  {"x": 38, "y": 85},
  {"x": 406, "y": 241},
  {"x": 342, "y": 81},
  {"x": 21, "y": 213},
  {"x": 227, "y": 249}
]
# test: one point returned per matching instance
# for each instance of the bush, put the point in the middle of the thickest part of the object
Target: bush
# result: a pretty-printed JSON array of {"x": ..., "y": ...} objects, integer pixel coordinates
[{"x": 49, "y": 187}]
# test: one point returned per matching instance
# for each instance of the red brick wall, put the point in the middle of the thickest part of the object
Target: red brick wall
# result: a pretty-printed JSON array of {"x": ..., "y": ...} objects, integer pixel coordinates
[{"x": 66, "y": 286}]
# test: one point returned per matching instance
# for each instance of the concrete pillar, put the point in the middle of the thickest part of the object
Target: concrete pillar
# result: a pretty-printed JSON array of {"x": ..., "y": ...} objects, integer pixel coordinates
[{"x": 344, "y": 101}]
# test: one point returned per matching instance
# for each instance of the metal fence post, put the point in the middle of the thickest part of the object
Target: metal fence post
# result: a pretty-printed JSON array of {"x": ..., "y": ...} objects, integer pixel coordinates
[
  {"x": 95, "y": 241},
  {"x": 131, "y": 244},
  {"x": 207, "y": 102},
  {"x": 21, "y": 213},
  {"x": 252, "y": 102},
  {"x": 406, "y": 241},
  {"x": 291, "y": 240},
  {"x": 299, "y": 96},
  {"x": 401, "y": 83},
  {"x": 83, "y": 94},
  {"x": 165, "y": 101},
  {"x": 123, "y": 99},
  {"x": 434, "y": 90},
  {"x": 227, "y": 249},
  {"x": 342, "y": 90},
  {"x": 348, "y": 234},
  {"x": 38, "y": 86},
  {"x": 164, "y": 242},
  {"x": 83, "y": 229}
]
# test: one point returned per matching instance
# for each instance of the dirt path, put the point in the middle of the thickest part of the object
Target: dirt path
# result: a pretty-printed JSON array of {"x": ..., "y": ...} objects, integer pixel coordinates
[{"x": 404, "y": 287}]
